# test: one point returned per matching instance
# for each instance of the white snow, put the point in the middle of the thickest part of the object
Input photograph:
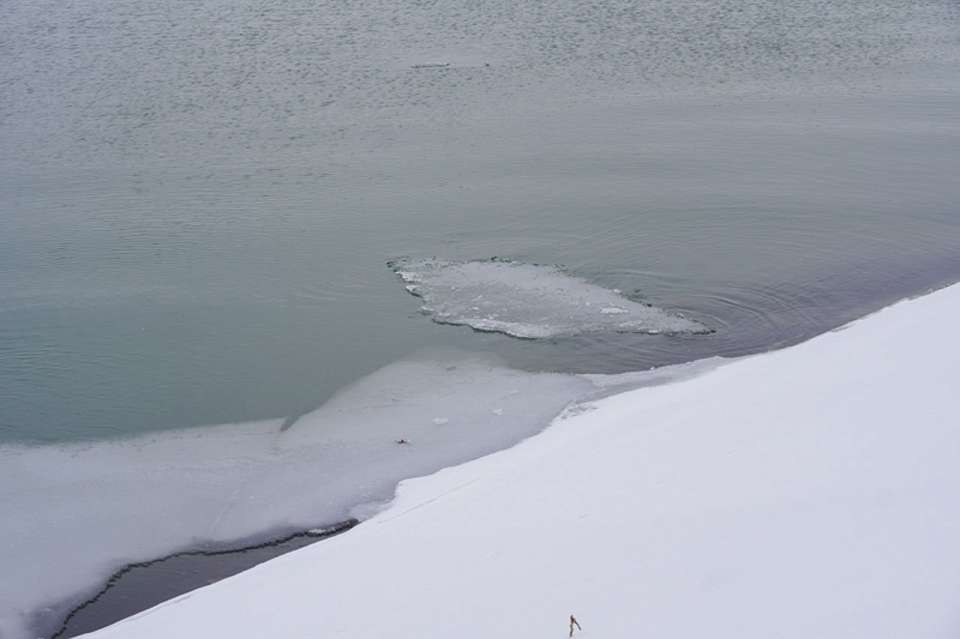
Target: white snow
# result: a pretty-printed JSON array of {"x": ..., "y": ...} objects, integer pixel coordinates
[
  {"x": 810, "y": 492},
  {"x": 531, "y": 301}
]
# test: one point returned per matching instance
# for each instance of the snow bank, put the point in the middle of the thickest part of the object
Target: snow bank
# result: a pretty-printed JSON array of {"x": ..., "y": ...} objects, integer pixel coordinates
[
  {"x": 810, "y": 492},
  {"x": 530, "y": 301}
]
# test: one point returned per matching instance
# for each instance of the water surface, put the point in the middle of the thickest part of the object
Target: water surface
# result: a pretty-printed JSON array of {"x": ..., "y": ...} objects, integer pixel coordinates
[{"x": 199, "y": 199}]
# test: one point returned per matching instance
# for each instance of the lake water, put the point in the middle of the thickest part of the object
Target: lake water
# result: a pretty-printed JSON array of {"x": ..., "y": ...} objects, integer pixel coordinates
[{"x": 198, "y": 201}]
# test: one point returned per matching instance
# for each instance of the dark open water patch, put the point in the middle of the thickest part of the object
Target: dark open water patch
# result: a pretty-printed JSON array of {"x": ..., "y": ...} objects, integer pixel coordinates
[{"x": 142, "y": 585}]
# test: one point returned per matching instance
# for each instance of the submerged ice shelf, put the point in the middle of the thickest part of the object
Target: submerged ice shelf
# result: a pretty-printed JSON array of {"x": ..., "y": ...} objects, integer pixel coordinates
[
  {"x": 220, "y": 484},
  {"x": 529, "y": 301}
]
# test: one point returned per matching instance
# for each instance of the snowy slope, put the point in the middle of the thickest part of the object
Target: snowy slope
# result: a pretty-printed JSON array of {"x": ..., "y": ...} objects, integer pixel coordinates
[{"x": 812, "y": 492}]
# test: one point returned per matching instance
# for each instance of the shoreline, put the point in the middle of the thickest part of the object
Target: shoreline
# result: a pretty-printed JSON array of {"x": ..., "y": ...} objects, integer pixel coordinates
[
  {"x": 72, "y": 623},
  {"x": 740, "y": 520},
  {"x": 116, "y": 600}
]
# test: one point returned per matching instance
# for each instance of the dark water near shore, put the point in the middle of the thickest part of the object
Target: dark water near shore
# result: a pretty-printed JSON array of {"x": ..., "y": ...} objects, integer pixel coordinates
[
  {"x": 137, "y": 587},
  {"x": 198, "y": 200}
]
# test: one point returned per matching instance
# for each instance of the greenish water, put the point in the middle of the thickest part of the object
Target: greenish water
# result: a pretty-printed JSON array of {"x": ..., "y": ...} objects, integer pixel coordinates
[{"x": 149, "y": 293}]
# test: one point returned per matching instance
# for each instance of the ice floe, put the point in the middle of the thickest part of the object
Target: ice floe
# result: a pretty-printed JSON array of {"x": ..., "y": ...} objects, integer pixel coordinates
[{"x": 530, "y": 301}]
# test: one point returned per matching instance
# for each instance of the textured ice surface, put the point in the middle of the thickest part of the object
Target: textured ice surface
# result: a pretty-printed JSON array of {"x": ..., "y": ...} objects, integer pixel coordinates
[{"x": 529, "y": 300}]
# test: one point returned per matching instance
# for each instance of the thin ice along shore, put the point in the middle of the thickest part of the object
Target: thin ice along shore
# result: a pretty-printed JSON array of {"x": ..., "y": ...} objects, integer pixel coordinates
[{"x": 804, "y": 492}]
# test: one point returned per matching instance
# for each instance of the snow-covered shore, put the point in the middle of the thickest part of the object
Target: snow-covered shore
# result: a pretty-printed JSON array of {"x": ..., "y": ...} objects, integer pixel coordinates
[{"x": 809, "y": 492}]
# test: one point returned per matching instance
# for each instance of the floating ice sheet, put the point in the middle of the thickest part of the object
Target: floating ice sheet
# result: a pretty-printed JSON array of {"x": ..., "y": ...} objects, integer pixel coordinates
[{"x": 529, "y": 300}]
